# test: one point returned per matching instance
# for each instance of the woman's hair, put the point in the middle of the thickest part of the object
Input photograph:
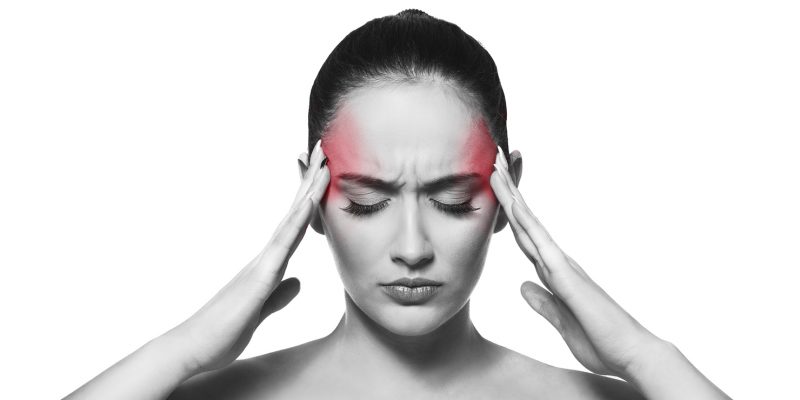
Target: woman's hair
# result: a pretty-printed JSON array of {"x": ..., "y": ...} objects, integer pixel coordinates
[{"x": 409, "y": 47}]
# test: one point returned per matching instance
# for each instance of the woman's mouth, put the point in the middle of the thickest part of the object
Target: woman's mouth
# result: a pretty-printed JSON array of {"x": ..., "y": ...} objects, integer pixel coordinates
[
  {"x": 411, "y": 291},
  {"x": 410, "y": 295}
]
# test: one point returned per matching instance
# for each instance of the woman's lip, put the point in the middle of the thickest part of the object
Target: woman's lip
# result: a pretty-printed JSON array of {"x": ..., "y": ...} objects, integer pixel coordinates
[
  {"x": 413, "y": 282},
  {"x": 410, "y": 295}
]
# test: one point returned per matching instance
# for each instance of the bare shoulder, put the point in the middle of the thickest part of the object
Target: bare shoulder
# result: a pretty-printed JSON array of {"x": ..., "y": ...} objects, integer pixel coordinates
[
  {"x": 301, "y": 372},
  {"x": 534, "y": 379},
  {"x": 252, "y": 378}
]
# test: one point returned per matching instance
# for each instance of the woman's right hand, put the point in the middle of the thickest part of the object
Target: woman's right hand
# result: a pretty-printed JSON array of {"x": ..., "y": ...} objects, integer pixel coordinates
[{"x": 218, "y": 333}]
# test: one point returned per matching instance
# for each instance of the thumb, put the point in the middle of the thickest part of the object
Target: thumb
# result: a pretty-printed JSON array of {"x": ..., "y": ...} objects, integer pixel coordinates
[
  {"x": 282, "y": 295},
  {"x": 543, "y": 303}
]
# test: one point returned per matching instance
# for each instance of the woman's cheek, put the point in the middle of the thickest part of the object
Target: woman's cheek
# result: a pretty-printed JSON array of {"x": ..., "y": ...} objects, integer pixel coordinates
[
  {"x": 359, "y": 241},
  {"x": 462, "y": 242}
]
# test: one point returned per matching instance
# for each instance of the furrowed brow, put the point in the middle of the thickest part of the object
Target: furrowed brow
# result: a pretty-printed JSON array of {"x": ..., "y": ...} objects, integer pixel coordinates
[
  {"x": 369, "y": 181},
  {"x": 450, "y": 181},
  {"x": 432, "y": 186}
]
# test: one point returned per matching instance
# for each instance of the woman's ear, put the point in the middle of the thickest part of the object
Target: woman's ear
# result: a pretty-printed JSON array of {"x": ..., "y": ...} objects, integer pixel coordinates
[
  {"x": 316, "y": 222},
  {"x": 515, "y": 169}
]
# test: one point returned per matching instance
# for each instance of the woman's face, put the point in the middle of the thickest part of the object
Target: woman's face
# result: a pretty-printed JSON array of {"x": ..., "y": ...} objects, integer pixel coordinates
[{"x": 409, "y": 197}]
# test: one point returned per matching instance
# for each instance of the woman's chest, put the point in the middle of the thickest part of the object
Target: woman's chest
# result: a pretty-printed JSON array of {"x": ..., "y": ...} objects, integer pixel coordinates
[{"x": 361, "y": 387}]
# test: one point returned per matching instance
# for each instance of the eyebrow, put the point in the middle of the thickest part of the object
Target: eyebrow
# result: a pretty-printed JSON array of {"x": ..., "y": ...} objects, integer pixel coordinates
[{"x": 432, "y": 186}]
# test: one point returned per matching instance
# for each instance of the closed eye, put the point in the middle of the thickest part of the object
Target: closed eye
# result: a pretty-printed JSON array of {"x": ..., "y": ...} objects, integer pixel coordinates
[
  {"x": 456, "y": 209},
  {"x": 361, "y": 210},
  {"x": 365, "y": 209}
]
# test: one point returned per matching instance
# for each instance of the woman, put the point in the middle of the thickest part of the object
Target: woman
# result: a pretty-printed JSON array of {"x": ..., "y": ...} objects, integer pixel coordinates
[{"x": 408, "y": 176}]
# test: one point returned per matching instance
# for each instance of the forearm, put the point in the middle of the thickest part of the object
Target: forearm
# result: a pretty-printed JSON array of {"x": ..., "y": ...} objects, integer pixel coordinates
[
  {"x": 151, "y": 372},
  {"x": 667, "y": 375}
]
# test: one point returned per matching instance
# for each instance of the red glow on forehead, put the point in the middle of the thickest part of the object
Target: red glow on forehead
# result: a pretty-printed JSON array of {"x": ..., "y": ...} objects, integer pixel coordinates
[
  {"x": 340, "y": 145},
  {"x": 479, "y": 154}
]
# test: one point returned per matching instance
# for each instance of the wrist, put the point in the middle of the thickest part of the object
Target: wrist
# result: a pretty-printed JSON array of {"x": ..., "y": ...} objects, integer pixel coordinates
[
  {"x": 664, "y": 372},
  {"x": 656, "y": 357},
  {"x": 171, "y": 350}
]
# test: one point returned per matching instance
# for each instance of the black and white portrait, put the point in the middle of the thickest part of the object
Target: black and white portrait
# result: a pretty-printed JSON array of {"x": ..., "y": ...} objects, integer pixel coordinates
[{"x": 361, "y": 200}]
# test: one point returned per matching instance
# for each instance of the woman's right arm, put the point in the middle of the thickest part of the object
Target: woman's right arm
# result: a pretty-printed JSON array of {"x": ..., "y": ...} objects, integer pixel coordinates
[{"x": 216, "y": 335}]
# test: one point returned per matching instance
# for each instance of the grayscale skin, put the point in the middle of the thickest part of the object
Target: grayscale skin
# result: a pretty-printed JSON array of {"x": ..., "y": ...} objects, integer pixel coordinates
[{"x": 408, "y": 134}]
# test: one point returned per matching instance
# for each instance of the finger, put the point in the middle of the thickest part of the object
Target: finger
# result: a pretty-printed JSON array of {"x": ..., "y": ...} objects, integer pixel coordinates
[
  {"x": 501, "y": 191},
  {"x": 311, "y": 172},
  {"x": 561, "y": 317},
  {"x": 269, "y": 265},
  {"x": 526, "y": 219},
  {"x": 551, "y": 254},
  {"x": 272, "y": 262},
  {"x": 500, "y": 187},
  {"x": 577, "y": 267},
  {"x": 286, "y": 291},
  {"x": 543, "y": 303},
  {"x": 562, "y": 278},
  {"x": 584, "y": 304},
  {"x": 287, "y": 236},
  {"x": 501, "y": 160},
  {"x": 316, "y": 156},
  {"x": 516, "y": 194},
  {"x": 302, "y": 161},
  {"x": 597, "y": 290},
  {"x": 508, "y": 190},
  {"x": 320, "y": 184},
  {"x": 290, "y": 232}
]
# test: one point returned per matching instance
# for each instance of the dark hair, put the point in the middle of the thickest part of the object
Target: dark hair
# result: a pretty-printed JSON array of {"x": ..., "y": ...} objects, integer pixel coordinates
[{"x": 405, "y": 48}]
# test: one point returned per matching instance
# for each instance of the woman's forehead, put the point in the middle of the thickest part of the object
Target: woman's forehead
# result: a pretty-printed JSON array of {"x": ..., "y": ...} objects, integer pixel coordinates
[{"x": 419, "y": 129}]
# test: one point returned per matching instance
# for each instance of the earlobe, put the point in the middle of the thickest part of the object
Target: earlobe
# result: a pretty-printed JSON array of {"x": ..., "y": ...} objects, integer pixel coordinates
[
  {"x": 502, "y": 220},
  {"x": 515, "y": 166},
  {"x": 316, "y": 223}
]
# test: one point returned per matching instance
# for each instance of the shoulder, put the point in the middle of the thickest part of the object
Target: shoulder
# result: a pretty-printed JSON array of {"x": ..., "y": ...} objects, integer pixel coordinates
[
  {"x": 284, "y": 373},
  {"x": 255, "y": 377},
  {"x": 531, "y": 378}
]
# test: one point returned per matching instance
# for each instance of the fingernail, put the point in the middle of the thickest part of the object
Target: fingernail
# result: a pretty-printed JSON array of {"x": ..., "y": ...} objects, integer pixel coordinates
[{"x": 316, "y": 147}]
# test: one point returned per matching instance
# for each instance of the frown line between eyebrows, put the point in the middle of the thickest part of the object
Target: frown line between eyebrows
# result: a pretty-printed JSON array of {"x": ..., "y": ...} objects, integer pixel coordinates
[{"x": 428, "y": 187}]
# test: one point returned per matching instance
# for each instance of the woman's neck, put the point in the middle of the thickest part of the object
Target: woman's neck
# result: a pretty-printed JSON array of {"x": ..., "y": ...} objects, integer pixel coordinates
[{"x": 435, "y": 356}]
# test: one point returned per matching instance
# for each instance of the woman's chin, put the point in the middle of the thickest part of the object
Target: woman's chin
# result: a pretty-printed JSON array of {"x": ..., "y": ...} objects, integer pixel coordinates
[
  {"x": 409, "y": 326},
  {"x": 416, "y": 320},
  {"x": 406, "y": 319}
]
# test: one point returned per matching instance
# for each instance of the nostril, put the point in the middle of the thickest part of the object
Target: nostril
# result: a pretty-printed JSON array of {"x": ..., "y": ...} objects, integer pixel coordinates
[
  {"x": 413, "y": 253},
  {"x": 413, "y": 261}
]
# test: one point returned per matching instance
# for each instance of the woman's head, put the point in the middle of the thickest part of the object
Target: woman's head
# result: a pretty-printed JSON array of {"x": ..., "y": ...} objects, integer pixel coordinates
[
  {"x": 410, "y": 111},
  {"x": 405, "y": 48}
]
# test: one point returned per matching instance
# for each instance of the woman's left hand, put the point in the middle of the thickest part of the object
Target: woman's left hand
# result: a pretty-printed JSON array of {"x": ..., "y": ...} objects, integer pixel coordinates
[{"x": 601, "y": 335}]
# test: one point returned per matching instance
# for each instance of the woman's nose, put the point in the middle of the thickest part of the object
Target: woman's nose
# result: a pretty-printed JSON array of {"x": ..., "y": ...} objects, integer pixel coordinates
[{"x": 411, "y": 246}]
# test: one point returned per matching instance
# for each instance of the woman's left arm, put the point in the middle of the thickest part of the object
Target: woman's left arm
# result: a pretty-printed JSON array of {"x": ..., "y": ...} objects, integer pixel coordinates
[{"x": 601, "y": 335}]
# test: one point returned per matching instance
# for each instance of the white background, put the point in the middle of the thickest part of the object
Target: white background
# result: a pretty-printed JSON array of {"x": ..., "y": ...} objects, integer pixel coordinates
[{"x": 148, "y": 150}]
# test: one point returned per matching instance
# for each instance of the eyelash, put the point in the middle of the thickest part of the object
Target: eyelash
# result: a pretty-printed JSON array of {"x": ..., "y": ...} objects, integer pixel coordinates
[{"x": 366, "y": 209}]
